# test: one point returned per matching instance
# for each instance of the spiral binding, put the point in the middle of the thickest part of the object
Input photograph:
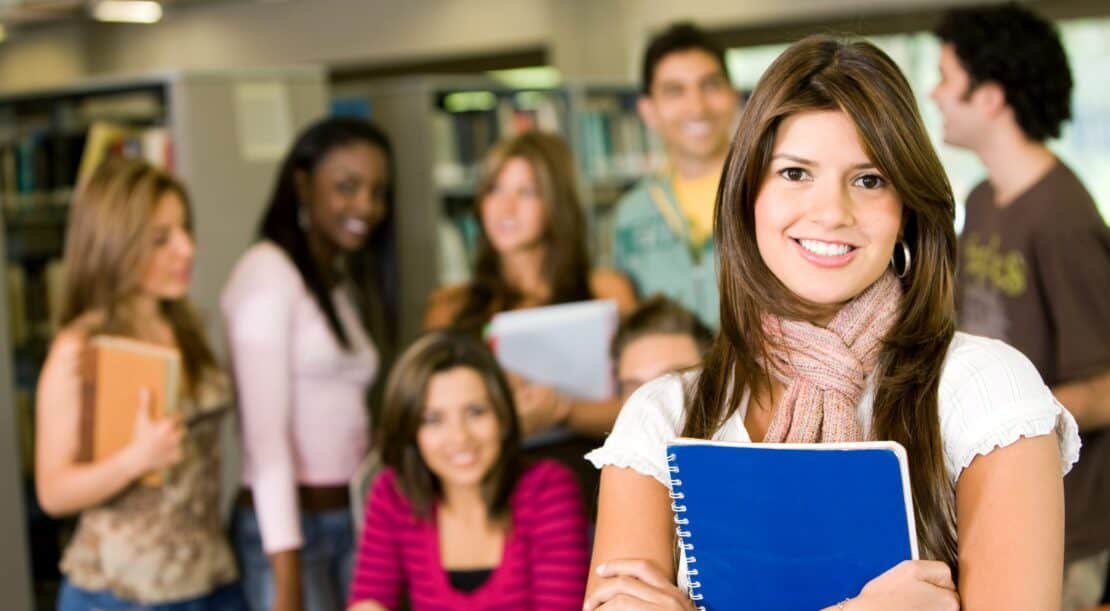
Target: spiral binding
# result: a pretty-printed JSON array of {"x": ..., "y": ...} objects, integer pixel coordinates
[{"x": 684, "y": 534}]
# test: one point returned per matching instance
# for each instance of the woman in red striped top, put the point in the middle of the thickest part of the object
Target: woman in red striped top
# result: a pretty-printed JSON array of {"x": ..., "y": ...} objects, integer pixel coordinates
[{"x": 455, "y": 520}]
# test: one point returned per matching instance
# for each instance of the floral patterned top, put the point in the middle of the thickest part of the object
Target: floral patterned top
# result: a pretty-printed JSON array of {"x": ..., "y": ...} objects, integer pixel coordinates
[{"x": 154, "y": 544}]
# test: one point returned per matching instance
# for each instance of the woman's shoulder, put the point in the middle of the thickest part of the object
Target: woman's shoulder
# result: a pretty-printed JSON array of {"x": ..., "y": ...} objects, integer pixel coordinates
[
  {"x": 72, "y": 338},
  {"x": 444, "y": 304},
  {"x": 266, "y": 260},
  {"x": 608, "y": 283},
  {"x": 386, "y": 490},
  {"x": 542, "y": 483},
  {"x": 542, "y": 473},
  {"x": 653, "y": 416},
  {"x": 990, "y": 365},
  {"x": 264, "y": 267},
  {"x": 990, "y": 395}
]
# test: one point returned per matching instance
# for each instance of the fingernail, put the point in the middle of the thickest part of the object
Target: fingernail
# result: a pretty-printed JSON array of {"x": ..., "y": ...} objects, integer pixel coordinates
[{"x": 601, "y": 569}]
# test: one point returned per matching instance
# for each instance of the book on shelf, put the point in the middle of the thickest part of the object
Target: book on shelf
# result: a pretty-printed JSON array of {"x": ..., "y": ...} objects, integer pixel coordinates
[
  {"x": 18, "y": 322},
  {"x": 134, "y": 107},
  {"x": 53, "y": 281},
  {"x": 106, "y": 140},
  {"x": 42, "y": 166},
  {"x": 614, "y": 143},
  {"x": 38, "y": 166},
  {"x": 789, "y": 527},
  {"x": 25, "y": 421},
  {"x": 116, "y": 371},
  {"x": 461, "y": 139}
]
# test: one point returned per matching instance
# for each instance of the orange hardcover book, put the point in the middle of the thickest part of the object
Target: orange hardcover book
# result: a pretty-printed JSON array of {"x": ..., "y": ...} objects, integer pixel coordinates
[{"x": 117, "y": 369}]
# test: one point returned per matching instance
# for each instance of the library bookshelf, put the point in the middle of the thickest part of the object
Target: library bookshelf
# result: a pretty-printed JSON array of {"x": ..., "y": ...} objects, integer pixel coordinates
[
  {"x": 442, "y": 126},
  {"x": 222, "y": 132}
]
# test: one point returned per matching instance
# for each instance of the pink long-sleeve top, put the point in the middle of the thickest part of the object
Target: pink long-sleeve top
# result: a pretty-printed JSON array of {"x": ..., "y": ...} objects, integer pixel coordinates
[
  {"x": 301, "y": 395},
  {"x": 543, "y": 565}
]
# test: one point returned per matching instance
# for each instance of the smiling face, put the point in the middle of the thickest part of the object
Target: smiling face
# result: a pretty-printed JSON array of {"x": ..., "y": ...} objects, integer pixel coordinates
[
  {"x": 513, "y": 214},
  {"x": 167, "y": 272},
  {"x": 345, "y": 195},
  {"x": 826, "y": 218},
  {"x": 459, "y": 436},
  {"x": 692, "y": 106}
]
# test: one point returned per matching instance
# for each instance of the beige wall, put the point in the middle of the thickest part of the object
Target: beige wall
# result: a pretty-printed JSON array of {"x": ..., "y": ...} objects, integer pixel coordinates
[
  {"x": 43, "y": 56},
  {"x": 586, "y": 38}
]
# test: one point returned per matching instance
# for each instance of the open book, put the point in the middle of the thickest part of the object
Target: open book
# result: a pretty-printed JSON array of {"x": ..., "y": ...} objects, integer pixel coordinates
[
  {"x": 565, "y": 346},
  {"x": 788, "y": 527},
  {"x": 116, "y": 369}
]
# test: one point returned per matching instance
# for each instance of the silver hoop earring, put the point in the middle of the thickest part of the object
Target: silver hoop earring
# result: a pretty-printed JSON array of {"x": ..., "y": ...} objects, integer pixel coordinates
[{"x": 906, "y": 256}]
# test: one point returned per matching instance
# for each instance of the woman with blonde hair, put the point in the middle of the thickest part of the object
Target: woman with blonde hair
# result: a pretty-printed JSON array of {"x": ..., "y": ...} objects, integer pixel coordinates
[
  {"x": 834, "y": 226},
  {"x": 129, "y": 257}
]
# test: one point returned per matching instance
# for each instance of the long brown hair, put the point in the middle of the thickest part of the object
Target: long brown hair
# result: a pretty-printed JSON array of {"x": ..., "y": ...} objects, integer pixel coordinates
[
  {"x": 403, "y": 411},
  {"x": 815, "y": 74},
  {"x": 566, "y": 262},
  {"x": 107, "y": 244}
]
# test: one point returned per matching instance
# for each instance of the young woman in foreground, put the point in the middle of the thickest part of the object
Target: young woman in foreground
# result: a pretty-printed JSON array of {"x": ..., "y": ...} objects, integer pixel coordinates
[{"x": 835, "y": 233}]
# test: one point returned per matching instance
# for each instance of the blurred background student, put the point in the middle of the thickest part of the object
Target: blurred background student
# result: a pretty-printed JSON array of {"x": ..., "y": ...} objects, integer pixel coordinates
[
  {"x": 299, "y": 309},
  {"x": 658, "y": 337},
  {"x": 1034, "y": 246},
  {"x": 532, "y": 252},
  {"x": 129, "y": 257},
  {"x": 663, "y": 227},
  {"x": 457, "y": 520}
]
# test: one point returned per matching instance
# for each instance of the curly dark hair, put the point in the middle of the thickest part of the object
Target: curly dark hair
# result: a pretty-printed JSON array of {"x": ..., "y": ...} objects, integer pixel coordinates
[
  {"x": 1016, "y": 48},
  {"x": 678, "y": 37}
]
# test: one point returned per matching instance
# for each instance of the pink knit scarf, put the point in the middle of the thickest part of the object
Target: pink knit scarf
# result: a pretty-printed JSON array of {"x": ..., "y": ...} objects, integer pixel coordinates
[{"x": 825, "y": 369}]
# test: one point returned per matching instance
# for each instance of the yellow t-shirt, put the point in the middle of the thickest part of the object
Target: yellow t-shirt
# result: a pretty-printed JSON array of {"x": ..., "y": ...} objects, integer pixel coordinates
[{"x": 696, "y": 197}]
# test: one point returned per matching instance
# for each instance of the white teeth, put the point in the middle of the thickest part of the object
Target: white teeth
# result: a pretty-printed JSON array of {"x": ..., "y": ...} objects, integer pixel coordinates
[
  {"x": 697, "y": 128},
  {"x": 464, "y": 458},
  {"x": 356, "y": 226},
  {"x": 825, "y": 249}
]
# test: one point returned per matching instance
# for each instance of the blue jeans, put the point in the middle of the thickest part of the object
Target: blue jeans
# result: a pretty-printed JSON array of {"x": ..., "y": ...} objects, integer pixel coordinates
[
  {"x": 73, "y": 598},
  {"x": 327, "y": 557}
]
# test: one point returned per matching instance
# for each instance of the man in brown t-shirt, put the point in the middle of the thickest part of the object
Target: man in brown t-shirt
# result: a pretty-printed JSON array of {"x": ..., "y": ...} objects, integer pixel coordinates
[{"x": 1034, "y": 254}]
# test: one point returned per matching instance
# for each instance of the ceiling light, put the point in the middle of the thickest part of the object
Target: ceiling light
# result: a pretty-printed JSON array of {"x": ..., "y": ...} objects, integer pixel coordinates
[{"x": 127, "y": 11}]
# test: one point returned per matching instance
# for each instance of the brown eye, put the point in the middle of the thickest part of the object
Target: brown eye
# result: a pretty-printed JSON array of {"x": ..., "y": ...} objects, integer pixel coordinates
[
  {"x": 430, "y": 419},
  {"x": 793, "y": 174},
  {"x": 871, "y": 181},
  {"x": 476, "y": 410}
]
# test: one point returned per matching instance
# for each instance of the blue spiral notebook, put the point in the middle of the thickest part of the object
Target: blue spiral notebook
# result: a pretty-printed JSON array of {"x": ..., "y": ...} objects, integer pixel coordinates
[{"x": 788, "y": 527}]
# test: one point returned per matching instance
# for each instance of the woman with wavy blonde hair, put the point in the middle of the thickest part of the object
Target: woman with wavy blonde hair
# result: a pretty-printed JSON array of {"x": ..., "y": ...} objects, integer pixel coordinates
[{"x": 129, "y": 256}]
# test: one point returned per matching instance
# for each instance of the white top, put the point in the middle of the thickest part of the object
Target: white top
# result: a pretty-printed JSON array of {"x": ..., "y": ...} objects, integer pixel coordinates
[
  {"x": 301, "y": 395},
  {"x": 990, "y": 396}
]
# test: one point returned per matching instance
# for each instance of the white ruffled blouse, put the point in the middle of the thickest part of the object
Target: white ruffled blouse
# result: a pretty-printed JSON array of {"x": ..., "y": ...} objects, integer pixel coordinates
[{"x": 990, "y": 396}]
